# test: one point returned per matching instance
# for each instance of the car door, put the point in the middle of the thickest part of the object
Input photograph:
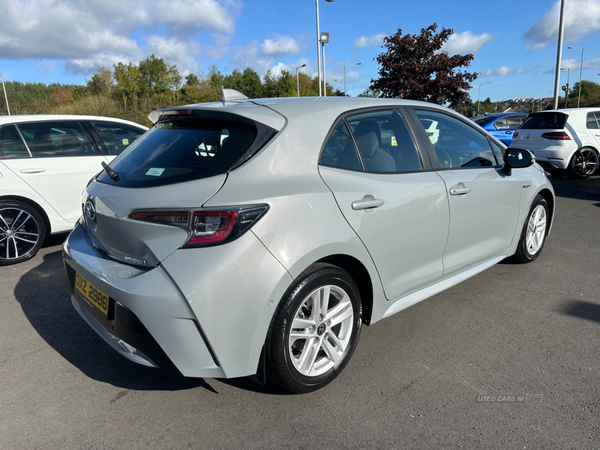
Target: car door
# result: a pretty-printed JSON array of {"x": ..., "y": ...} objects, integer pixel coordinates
[
  {"x": 390, "y": 196},
  {"x": 484, "y": 202},
  {"x": 62, "y": 161}
]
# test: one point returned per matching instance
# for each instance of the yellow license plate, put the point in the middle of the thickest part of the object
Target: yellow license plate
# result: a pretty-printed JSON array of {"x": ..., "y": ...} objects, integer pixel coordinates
[{"x": 94, "y": 295}]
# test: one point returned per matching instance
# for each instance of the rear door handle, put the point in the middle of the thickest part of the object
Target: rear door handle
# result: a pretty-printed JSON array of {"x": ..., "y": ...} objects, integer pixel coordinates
[
  {"x": 33, "y": 170},
  {"x": 368, "y": 201},
  {"x": 460, "y": 191}
]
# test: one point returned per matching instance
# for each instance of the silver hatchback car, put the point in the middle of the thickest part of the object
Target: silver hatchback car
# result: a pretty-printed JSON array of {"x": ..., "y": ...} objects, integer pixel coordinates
[{"x": 255, "y": 237}]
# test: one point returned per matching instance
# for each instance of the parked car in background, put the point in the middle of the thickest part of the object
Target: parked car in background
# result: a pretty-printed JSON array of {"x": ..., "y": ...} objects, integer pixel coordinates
[
  {"x": 563, "y": 139},
  {"x": 45, "y": 163},
  {"x": 501, "y": 125},
  {"x": 262, "y": 253}
]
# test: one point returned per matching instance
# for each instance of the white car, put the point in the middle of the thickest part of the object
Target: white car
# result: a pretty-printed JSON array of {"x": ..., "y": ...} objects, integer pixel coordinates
[
  {"x": 563, "y": 139},
  {"x": 45, "y": 163}
]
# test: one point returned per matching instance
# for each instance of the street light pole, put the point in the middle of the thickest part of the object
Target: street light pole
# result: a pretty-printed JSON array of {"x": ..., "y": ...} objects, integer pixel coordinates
[
  {"x": 5, "y": 97},
  {"x": 298, "y": 80},
  {"x": 479, "y": 101},
  {"x": 318, "y": 42},
  {"x": 566, "y": 88},
  {"x": 324, "y": 40},
  {"x": 352, "y": 64},
  {"x": 561, "y": 29},
  {"x": 580, "y": 70}
]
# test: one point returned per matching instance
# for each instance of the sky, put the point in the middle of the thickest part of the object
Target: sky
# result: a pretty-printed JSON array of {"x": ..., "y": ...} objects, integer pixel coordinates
[{"x": 514, "y": 42}]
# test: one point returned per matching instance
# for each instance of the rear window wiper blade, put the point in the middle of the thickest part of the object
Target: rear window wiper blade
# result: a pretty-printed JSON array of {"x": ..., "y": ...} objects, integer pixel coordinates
[{"x": 111, "y": 173}]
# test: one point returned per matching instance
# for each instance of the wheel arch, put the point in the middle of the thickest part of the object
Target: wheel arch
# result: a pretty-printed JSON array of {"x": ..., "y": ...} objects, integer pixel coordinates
[
  {"x": 360, "y": 275},
  {"x": 34, "y": 205},
  {"x": 550, "y": 201}
]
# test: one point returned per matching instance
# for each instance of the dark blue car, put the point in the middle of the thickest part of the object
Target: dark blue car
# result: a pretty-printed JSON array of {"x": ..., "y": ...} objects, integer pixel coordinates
[{"x": 501, "y": 125}]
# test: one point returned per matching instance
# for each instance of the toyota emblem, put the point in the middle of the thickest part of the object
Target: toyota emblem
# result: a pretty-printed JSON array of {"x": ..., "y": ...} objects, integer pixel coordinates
[{"x": 90, "y": 210}]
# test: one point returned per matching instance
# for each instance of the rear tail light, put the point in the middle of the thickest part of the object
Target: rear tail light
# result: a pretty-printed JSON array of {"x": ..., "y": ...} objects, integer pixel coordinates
[
  {"x": 210, "y": 227},
  {"x": 557, "y": 136}
]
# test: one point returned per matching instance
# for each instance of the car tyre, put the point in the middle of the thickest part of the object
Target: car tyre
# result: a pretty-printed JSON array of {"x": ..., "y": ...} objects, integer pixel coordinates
[
  {"x": 22, "y": 232},
  {"x": 314, "y": 330},
  {"x": 584, "y": 162},
  {"x": 534, "y": 232}
]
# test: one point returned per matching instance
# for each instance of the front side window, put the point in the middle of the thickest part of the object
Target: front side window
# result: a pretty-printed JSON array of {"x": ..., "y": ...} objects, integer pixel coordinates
[
  {"x": 458, "y": 144},
  {"x": 116, "y": 136},
  {"x": 56, "y": 139},
  {"x": 11, "y": 144},
  {"x": 385, "y": 142}
]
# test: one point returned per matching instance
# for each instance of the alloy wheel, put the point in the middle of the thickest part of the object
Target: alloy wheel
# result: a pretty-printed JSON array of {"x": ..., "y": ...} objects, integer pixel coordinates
[
  {"x": 536, "y": 230},
  {"x": 19, "y": 233},
  {"x": 585, "y": 162},
  {"x": 321, "y": 330}
]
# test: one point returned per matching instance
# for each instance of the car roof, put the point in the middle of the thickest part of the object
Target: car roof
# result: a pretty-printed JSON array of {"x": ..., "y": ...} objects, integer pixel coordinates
[
  {"x": 47, "y": 117},
  {"x": 293, "y": 107}
]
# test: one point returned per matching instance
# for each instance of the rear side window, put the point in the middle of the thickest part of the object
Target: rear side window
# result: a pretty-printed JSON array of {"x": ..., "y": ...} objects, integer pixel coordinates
[
  {"x": 593, "y": 120},
  {"x": 11, "y": 144},
  {"x": 56, "y": 139},
  {"x": 182, "y": 150},
  {"x": 116, "y": 137},
  {"x": 545, "y": 121}
]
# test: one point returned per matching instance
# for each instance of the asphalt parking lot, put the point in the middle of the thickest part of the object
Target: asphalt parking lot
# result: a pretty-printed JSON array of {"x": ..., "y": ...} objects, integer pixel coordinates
[{"x": 453, "y": 371}]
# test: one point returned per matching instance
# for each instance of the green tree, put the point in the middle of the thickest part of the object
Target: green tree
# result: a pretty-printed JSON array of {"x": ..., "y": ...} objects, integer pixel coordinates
[
  {"x": 154, "y": 76},
  {"x": 252, "y": 86},
  {"x": 128, "y": 81},
  {"x": 415, "y": 67},
  {"x": 590, "y": 94},
  {"x": 101, "y": 82}
]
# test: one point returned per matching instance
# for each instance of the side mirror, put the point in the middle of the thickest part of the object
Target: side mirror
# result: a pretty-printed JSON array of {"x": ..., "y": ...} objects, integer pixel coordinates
[{"x": 516, "y": 158}]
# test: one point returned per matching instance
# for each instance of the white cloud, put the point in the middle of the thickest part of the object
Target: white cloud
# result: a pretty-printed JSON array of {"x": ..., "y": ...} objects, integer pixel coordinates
[
  {"x": 282, "y": 45},
  {"x": 369, "y": 41},
  {"x": 582, "y": 17},
  {"x": 504, "y": 71},
  {"x": 89, "y": 32},
  {"x": 466, "y": 42}
]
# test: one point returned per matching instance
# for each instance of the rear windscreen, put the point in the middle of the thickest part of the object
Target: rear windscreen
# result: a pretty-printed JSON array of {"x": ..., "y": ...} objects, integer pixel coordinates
[
  {"x": 545, "y": 121},
  {"x": 183, "y": 150}
]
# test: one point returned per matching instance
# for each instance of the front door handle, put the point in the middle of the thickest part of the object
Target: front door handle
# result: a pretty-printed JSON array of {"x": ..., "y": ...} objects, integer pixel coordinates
[
  {"x": 460, "y": 191},
  {"x": 367, "y": 202},
  {"x": 33, "y": 170}
]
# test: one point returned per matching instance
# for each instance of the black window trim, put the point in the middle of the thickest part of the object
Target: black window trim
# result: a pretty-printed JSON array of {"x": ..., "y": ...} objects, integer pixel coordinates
[
  {"x": 429, "y": 146},
  {"x": 425, "y": 161}
]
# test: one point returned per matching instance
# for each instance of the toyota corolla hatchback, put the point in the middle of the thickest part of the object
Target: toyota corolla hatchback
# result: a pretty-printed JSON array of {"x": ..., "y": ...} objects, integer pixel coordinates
[{"x": 255, "y": 237}]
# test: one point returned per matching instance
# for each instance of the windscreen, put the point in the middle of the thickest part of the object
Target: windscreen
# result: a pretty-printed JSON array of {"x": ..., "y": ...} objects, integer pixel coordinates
[
  {"x": 181, "y": 150},
  {"x": 483, "y": 120},
  {"x": 545, "y": 121}
]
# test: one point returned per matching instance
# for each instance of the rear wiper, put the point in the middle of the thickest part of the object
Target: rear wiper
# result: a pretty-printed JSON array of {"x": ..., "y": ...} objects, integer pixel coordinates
[{"x": 111, "y": 173}]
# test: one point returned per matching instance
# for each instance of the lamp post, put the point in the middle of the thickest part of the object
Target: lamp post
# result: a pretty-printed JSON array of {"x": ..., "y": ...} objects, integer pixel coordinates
[
  {"x": 479, "y": 101},
  {"x": 5, "y": 97},
  {"x": 318, "y": 42},
  {"x": 580, "y": 70},
  {"x": 561, "y": 30},
  {"x": 352, "y": 64},
  {"x": 324, "y": 40},
  {"x": 566, "y": 88},
  {"x": 298, "y": 80}
]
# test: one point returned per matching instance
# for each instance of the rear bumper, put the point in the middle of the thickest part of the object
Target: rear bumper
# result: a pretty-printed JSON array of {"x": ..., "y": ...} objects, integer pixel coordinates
[{"x": 199, "y": 312}]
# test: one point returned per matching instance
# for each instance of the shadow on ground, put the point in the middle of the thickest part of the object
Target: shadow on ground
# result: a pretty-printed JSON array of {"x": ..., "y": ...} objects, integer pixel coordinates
[
  {"x": 582, "y": 310},
  {"x": 45, "y": 299},
  {"x": 582, "y": 189}
]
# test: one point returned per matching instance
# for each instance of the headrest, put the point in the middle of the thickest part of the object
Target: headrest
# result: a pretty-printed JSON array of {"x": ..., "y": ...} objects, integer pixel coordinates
[{"x": 368, "y": 144}]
